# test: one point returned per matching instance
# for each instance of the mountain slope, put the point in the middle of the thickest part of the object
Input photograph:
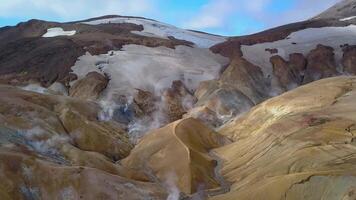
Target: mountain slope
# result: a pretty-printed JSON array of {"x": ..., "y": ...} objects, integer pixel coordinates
[
  {"x": 120, "y": 107},
  {"x": 271, "y": 62},
  {"x": 300, "y": 145}
]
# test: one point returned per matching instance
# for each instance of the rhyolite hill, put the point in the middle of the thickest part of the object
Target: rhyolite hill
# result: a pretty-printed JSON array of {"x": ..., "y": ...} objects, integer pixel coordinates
[{"x": 119, "y": 107}]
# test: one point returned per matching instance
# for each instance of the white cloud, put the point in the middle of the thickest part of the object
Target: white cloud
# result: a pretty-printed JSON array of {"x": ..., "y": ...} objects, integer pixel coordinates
[
  {"x": 74, "y": 9},
  {"x": 212, "y": 15},
  {"x": 255, "y": 5},
  {"x": 215, "y": 13}
]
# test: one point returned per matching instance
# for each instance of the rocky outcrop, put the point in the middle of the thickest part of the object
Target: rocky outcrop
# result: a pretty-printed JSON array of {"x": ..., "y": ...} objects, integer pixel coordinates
[
  {"x": 248, "y": 79},
  {"x": 90, "y": 87},
  {"x": 220, "y": 103},
  {"x": 349, "y": 60},
  {"x": 145, "y": 101},
  {"x": 241, "y": 86},
  {"x": 321, "y": 64},
  {"x": 178, "y": 153},
  {"x": 289, "y": 73},
  {"x": 272, "y": 51},
  {"x": 301, "y": 139},
  {"x": 176, "y": 101}
]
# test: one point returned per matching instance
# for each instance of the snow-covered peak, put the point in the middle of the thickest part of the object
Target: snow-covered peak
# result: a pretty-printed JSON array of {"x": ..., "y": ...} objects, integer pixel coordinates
[
  {"x": 161, "y": 30},
  {"x": 57, "y": 31}
]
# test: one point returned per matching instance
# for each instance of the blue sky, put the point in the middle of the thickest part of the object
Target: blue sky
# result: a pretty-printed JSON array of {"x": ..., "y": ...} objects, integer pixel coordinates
[{"x": 224, "y": 17}]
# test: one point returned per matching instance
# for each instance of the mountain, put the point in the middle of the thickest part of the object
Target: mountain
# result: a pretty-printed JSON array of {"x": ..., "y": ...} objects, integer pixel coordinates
[
  {"x": 344, "y": 10},
  {"x": 271, "y": 62},
  {"x": 122, "y": 107}
]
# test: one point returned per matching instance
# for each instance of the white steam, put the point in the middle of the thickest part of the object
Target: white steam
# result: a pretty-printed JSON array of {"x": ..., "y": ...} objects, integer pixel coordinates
[
  {"x": 50, "y": 145},
  {"x": 170, "y": 183},
  {"x": 107, "y": 110},
  {"x": 139, "y": 127},
  {"x": 43, "y": 141}
]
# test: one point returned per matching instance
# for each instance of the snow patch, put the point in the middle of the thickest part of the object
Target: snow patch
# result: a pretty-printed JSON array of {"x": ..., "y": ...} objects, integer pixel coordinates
[
  {"x": 161, "y": 30},
  {"x": 348, "y": 18},
  {"x": 151, "y": 69},
  {"x": 35, "y": 88},
  {"x": 56, "y": 88},
  {"x": 302, "y": 41},
  {"x": 57, "y": 31}
]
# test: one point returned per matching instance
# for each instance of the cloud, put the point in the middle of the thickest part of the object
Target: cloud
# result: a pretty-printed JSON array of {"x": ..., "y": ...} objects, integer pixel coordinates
[
  {"x": 74, "y": 9},
  {"x": 216, "y": 13},
  {"x": 256, "y": 5},
  {"x": 212, "y": 15}
]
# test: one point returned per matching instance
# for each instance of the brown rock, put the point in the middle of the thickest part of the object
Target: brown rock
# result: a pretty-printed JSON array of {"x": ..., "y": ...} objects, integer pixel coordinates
[
  {"x": 247, "y": 78},
  {"x": 145, "y": 101},
  {"x": 241, "y": 86},
  {"x": 206, "y": 115},
  {"x": 321, "y": 64},
  {"x": 219, "y": 103},
  {"x": 177, "y": 101},
  {"x": 349, "y": 60},
  {"x": 68, "y": 79},
  {"x": 90, "y": 87},
  {"x": 272, "y": 51},
  {"x": 289, "y": 73}
]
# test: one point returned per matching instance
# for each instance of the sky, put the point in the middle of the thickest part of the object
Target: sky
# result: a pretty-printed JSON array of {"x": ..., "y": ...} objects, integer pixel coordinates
[{"x": 223, "y": 17}]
